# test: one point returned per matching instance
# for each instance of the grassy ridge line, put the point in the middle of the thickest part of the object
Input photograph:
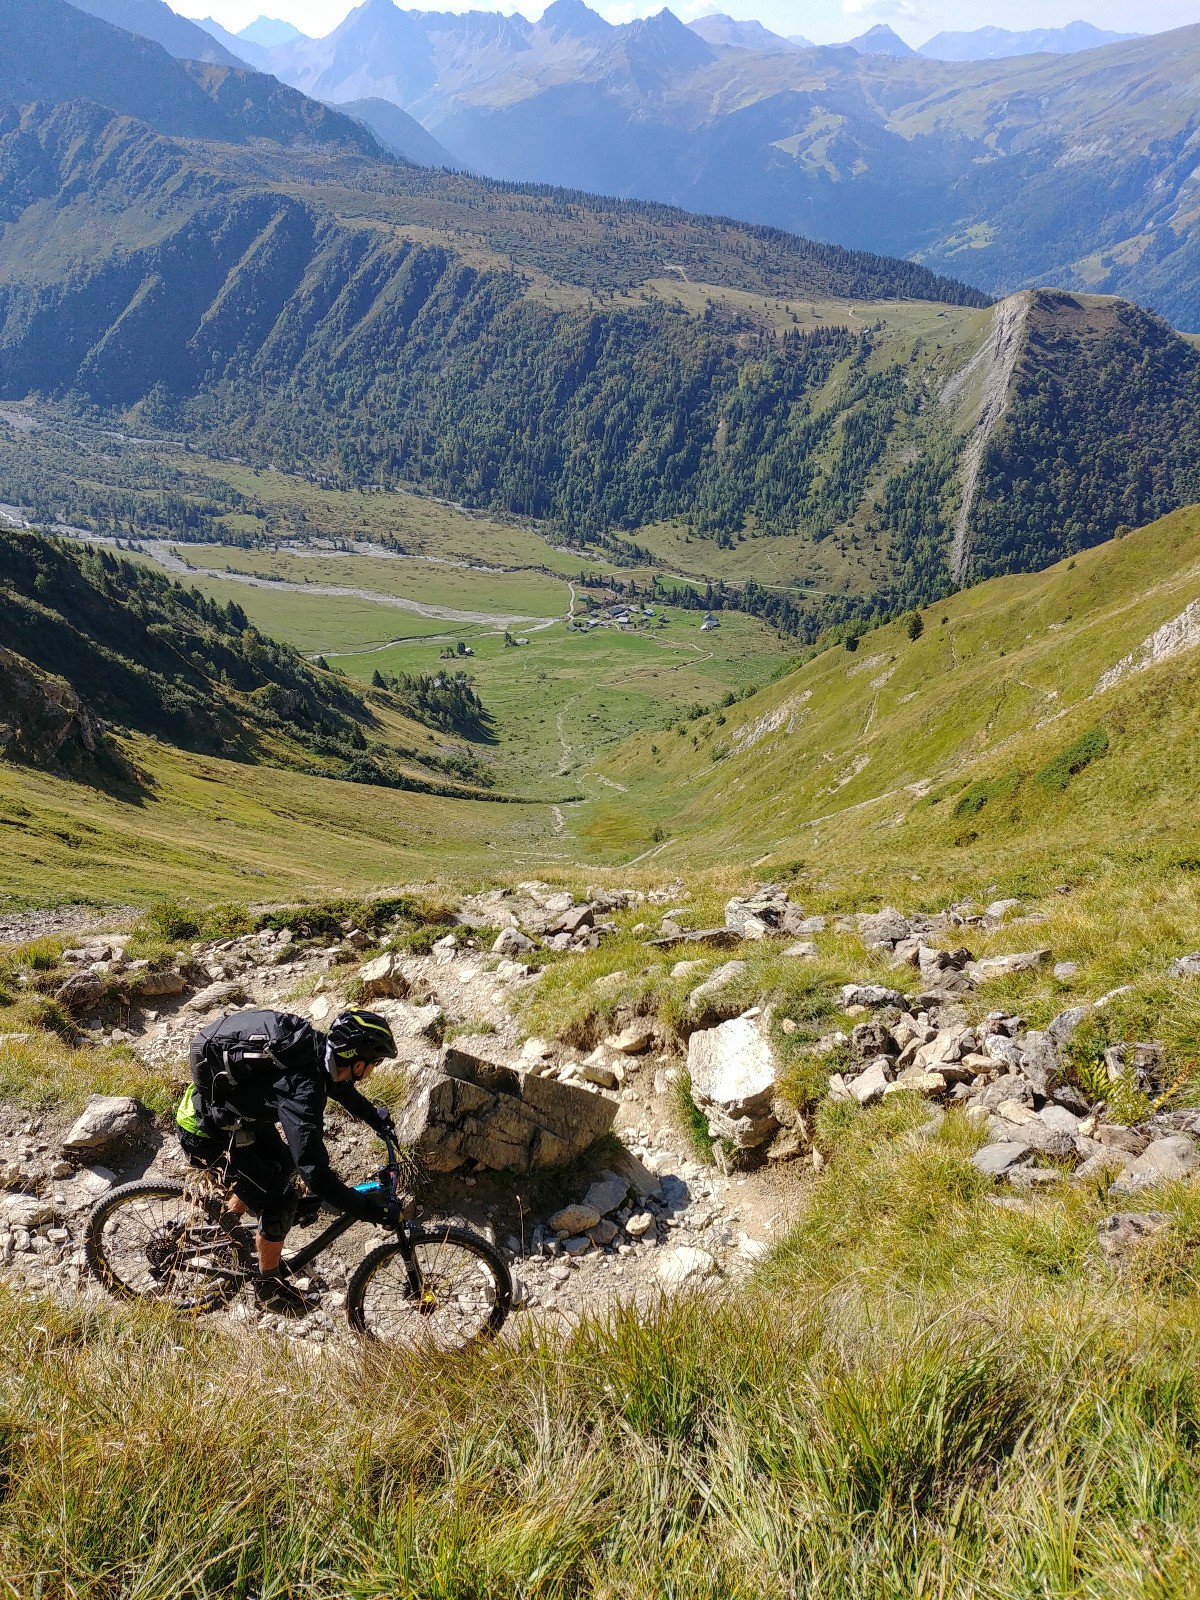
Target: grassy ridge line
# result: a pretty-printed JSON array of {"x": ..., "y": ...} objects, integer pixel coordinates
[
  {"x": 922, "y": 1395},
  {"x": 1000, "y": 680}
]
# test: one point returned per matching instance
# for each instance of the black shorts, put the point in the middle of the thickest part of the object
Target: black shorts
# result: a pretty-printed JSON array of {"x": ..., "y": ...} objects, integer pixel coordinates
[{"x": 260, "y": 1171}]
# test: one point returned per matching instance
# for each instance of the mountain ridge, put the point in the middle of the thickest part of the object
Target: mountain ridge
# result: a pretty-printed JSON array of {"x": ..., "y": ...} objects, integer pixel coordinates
[{"x": 1070, "y": 169}]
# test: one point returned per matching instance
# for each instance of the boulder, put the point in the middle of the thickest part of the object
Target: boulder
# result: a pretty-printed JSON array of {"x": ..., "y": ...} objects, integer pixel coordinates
[
  {"x": 1004, "y": 966},
  {"x": 383, "y": 978},
  {"x": 1113, "y": 1136},
  {"x": 512, "y": 942},
  {"x": 1186, "y": 966},
  {"x": 734, "y": 1073},
  {"x": 108, "y": 1120},
  {"x": 470, "y": 1108},
  {"x": 230, "y": 992},
  {"x": 81, "y": 991},
  {"x": 802, "y": 950},
  {"x": 640, "y": 1224}
]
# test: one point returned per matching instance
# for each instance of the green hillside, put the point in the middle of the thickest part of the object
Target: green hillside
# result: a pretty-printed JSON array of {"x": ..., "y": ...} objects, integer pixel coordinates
[
  {"x": 148, "y": 655},
  {"x": 991, "y": 744}
]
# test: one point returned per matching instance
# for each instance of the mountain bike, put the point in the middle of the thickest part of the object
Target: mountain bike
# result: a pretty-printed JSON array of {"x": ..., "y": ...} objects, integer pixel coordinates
[{"x": 178, "y": 1244}]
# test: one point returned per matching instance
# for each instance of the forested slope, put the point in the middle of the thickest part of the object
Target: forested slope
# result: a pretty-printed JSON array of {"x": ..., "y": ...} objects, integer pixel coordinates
[{"x": 145, "y": 653}]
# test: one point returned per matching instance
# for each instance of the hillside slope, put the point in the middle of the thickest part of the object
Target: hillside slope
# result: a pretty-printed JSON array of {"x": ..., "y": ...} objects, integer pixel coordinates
[{"x": 1057, "y": 709}]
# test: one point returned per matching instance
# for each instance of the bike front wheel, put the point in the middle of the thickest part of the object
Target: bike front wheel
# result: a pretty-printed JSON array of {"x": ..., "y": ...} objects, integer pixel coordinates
[
  {"x": 446, "y": 1288},
  {"x": 155, "y": 1241}
]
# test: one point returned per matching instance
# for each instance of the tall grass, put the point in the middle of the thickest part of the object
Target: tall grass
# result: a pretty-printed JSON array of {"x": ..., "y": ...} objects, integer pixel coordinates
[{"x": 1010, "y": 1418}]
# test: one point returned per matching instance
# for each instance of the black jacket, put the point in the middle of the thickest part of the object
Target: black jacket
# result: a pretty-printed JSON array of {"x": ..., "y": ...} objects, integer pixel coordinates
[{"x": 292, "y": 1090}]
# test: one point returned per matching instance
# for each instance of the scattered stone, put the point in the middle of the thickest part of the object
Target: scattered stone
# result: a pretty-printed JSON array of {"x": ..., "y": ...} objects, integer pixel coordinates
[
  {"x": 26, "y": 1211},
  {"x": 603, "y": 1233},
  {"x": 1161, "y": 1161},
  {"x": 597, "y": 1069},
  {"x": 607, "y": 1193},
  {"x": 886, "y": 927},
  {"x": 512, "y": 942},
  {"x": 709, "y": 991},
  {"x": 803, "y": 950},
  {"x": 996, "y": 1160},
  {"x": 383, "y": 978},
  {"x": 1123, "y": 1231},
  {"x": 1065, "y": 971},
  {"x": 577, "y": 1247},
  {"x": 81, "y": 991},
  {"x": 683, "y": 1263},
  {"x": 870, "y": 995},
  {"x": 165, "y": 982},
  {"x": 734, "y": 1071},
  {"x": 1004, "y": 966},
  {"x": 108, "y": 1120},
  {"x": 871, "y": 1084},
  {"x": 633, "y": 1040},
  {"x": 576, "y": 1218},
  {"x": 230, "y": 992},
  {"x": 640, "y": 1224},
  {"x": 1186, "y": 966}
]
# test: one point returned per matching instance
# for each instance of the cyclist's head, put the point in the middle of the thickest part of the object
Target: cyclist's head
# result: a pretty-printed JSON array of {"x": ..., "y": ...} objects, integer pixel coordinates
[{"x": 359, "y": 1037}]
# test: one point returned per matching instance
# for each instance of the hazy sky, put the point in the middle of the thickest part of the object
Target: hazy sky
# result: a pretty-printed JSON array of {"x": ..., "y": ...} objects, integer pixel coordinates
[{"x": 822, "y": 20}]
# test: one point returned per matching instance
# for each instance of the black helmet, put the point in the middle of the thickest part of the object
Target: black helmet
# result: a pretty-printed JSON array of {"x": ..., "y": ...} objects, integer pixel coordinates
[{"x": 360, "y": 1036}]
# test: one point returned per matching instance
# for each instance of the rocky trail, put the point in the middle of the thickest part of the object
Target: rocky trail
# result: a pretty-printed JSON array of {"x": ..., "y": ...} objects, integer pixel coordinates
[{"x": 574, "y": 1155}]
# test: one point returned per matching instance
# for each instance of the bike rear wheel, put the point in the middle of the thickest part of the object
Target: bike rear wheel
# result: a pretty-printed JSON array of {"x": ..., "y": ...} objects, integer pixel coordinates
[
  {"x": 450, "y": 1289},
  {"x": 155, "y": 1241}
]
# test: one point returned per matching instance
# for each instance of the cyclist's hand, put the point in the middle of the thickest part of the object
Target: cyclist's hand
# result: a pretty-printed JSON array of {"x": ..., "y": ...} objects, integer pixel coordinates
[{"x": 384, "y": 1114}]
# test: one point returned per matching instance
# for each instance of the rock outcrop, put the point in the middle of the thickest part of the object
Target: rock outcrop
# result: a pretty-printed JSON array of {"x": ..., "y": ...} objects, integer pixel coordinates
[{"x": 469, "y": 1109}]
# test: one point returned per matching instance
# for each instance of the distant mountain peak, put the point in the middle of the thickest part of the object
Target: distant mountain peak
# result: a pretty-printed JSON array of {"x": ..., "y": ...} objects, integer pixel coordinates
[
  {"x": 573, "y": 19},
  {"x": 881, "y": 41},
  {"x": 268, "y": 32},
  {"x": 664, "y": 31},
  {"x": 734, "y": 33}
]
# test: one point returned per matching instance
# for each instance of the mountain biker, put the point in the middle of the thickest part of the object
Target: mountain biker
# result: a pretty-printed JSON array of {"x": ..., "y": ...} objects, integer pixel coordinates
[{"x": 254, "y": 1069}]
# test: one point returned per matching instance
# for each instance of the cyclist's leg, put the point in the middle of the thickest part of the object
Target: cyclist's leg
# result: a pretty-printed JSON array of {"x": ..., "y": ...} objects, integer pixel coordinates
[{"x": 261, "y": 1174}]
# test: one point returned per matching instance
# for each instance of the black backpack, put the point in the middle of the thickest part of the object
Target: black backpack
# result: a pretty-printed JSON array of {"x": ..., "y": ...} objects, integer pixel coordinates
[{"x": 233, "y": 1051}]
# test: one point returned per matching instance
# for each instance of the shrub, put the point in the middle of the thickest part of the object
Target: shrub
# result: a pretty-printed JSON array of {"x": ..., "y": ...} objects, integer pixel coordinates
[{"x": 1058, "y": 772}]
